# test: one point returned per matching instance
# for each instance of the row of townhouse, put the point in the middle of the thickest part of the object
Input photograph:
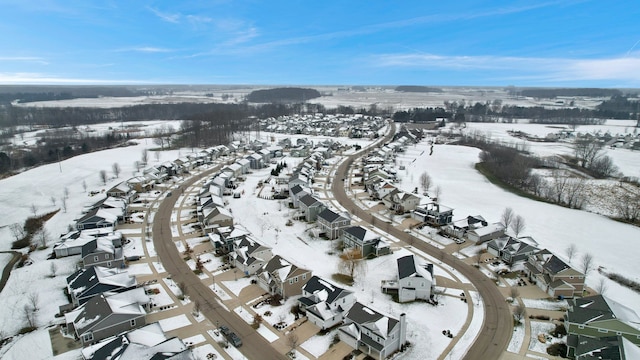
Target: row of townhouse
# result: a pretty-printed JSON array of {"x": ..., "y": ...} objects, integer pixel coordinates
[{"x": 352, "y": 126}]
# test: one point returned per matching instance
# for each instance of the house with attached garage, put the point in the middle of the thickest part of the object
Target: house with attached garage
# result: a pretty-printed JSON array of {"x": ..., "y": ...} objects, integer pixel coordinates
[
  {"x": 512, "y": 250},
  {"x": 72, "y": 242},
  {"x": 332, "y": 224},
  {"x": 101, "y": 252},
  {"x": 280, "y": 277},
  {"x": 400, "y": 201},
  {"x": 97, "y": 218},
  {"x": 459, "y": 228},
  {"x": 553, "y": 275},
  {"x": 146, "y": 343},
  {"x": 87, "y": 283},
  {"x": 581, "y": 347},
  {"x": 310, "y": 207},
  {"x": 295, "y": 193},
  {"x": 103, "y": 316},
  {"x": 599, "y": 317},
  {"x": 367, "y": 241},
  {"x": 249, "y": 255},
  {"x": 325, "y": 303},
  {"x": 412, "y": 282},
  {"x": 373, "y": 333},
  {"x": 116, "y": 206},
  {"x": 485, "y": 233},
  {"x": 433, "y": 214},
  {"x": 215, "y": 216},
  {"x": 123, "y": 191}
]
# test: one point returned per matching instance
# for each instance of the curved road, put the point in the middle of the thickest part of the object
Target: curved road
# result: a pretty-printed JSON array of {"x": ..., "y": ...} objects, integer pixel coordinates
[
  {"x": 254, "y": 345},
  {"x": 497, "y": 326}
]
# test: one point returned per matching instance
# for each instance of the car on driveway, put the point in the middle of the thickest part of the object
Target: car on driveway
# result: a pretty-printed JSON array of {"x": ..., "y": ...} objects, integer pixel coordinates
[{"x": 231, "y": 336}]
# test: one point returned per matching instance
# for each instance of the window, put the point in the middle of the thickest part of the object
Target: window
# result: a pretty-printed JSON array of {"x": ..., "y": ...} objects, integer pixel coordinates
[
  {"x": 88, "y": 337},
  {"x": 290, "y": 281},
  {"x": 295, "y": 279},
  {"x": 132, "y": 322},
  {"x": 304, "y": 276},
  {"x": 95, "y": 258},
  {"x": 618, "y": 333},
  {"x": 580, "y": 326},
  {"x": 604, "y": 331},
  {"x": 106, "y": 256},
  {"x": 570, "y": 277},
  {"x": 108, "y": 263}
]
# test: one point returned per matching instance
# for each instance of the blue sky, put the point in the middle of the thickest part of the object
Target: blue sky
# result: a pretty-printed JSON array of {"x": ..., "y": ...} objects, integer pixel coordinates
[{"x": 478, "y": 43}]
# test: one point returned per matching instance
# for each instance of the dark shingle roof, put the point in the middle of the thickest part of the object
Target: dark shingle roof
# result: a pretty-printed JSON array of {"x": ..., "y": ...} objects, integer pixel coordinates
[
  {"x": 356, "y": 231},
  {"x": 406, "y": 266},
  {"x": 328, "y": 215},
  {"x": 316, "y": 284},
  {"x": 308, "y": 200}
]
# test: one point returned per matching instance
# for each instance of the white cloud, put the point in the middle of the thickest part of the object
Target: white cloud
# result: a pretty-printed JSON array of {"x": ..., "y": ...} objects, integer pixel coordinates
[
  {"x": 168, "y": 17},
  {"x": 544, "y": 69},
  {"x": 146, "y": 49},
  {"x": 38, "y": 78},
  {"x": 31, "y": 59}
]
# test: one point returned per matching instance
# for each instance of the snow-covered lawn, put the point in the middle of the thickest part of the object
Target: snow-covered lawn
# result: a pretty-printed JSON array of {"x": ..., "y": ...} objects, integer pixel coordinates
[
  {"x": 516, "y": 339},
  {"x": 319, "y": 344},
  {"x": 175, "y": 322},
  {"x": 546, "y": 304},
  {"x": 540, "y": 327},
  {"x": 269, "y": 335},
  {"x": 139, "y": 269},
  {"x": 237, "y": 285}
]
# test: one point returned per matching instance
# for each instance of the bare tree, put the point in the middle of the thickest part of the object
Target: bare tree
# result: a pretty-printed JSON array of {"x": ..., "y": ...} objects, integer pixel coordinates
[
  {"x": 518, "y": 225},
  {"x": 536, "y": 184},
  {"x": 437, "y": 193},
  {"x": 575, "y": 191},
  {"x": 157, "y": 155},
  {"x": 53, "y": 200},
  {"x": 18, "y": 231},
  {"x": 63, "y": 203},
  {"x": 293, "y": 341},
  {"x": 29, "y": 316},
  {"x": 145, "y": 156},
  {"x": 65, "y": 192},
  {"x": 514, "y": 292},
  {"x": 425, "y": 182},
  {"x": 570, "y": 251},
  {"x": 54, "y": 269},
  {"x": 587, "y": 263},
  {"x": 603, "y": 165},
  {"x": 628, "y": 207},
  {"x": 196, "y": 308},
  {"x": 42, "y": 236},
  {"x": 601, "y": 286},
  {"x": 519, "y": 312},
  {"x": 587, "y": 150},
  {"x": 506, "y": 217},
  {"x": 183, "y": 290},
  {"x": 116, "y": 169},
  {"x": 84, "y": 185},
  {"x": 34, "y": 209},
  {"x": 351, "y": 262},
  {"x": 558, "y": 186},
  {"x": 33, "y": 299},
  {"x": 103, "y": 177}
]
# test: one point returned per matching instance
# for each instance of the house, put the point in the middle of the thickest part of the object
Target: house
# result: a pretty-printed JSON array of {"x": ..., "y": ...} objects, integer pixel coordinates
[
  {"x": 458, "y": 228},
  {"x": 87, "y": 283},
  {"x": 141, "y": 183},
  {"x": 433, "y": 214},
  {"x": 367, "y": 241},
  {"x": 116, "y": 206},
  {"x": 280, "y": 277},
  {"x": 215, "y": 216},
  {"x": 146, "y": 343},
  {"x": 325, "y": 303},
  {"x": 310, "y": 207},
  {"x": 249, "y": 256},
  {"x": 412, "y": 282},
  {"x": 72, "y": 242},
  {"x": 224, "y": 239},
  {"x": 295, "y": 193},
  {"x": 298, "y": 179},
  {"x": 101, "y": 252},
  {"x": 400, "y": 201},
  {"x": 103, "y": 316},
  {"x": 606, "y": 348},
  {"x": 599, "y": 317},
  {"x": 374, "y": 334},
  {"x": 245, "y": 165},
  {"x": 553, "y": 275},
  {"x": 256, "y": 161},
  {"x": 97, "y": 218},
  {"x": 485, "y": 233},
  {"x": 123, "y": 191},
  {"x": 332, "y": 224},
  {"x": 512, "y": 250}
]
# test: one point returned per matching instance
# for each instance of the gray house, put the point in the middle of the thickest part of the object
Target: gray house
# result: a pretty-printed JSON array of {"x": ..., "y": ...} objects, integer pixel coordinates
[
  {"x": 332, "y": 224},
  {"x": 87, "y": 283},
  {"x": 372, "y": 333},
  {"x": 310, "y": 207},
  {"x": 101, "y": 252},
  {"x": 412, "y": 282},
  {"x": 103, "y": 316},
  {"x": 324, "y": 302},
  {"x": 367, "y": 241}
]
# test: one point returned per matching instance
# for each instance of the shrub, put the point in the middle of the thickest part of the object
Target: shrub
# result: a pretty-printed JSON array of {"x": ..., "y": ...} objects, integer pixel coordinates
[
  {"x": 557, "y": 349},
  {"x": 559, "y": 331}
]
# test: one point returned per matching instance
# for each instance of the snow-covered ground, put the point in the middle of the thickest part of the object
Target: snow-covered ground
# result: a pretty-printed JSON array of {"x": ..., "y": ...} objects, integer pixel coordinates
[{"x": 451, "y": 167}]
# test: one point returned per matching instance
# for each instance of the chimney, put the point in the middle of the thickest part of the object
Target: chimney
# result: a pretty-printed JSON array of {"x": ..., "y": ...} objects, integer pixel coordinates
[{"x": 403, "y": 330}]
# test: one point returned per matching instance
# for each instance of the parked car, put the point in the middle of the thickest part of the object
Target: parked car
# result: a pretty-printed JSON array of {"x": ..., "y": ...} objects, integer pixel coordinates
[{"x": 231, "y": 336}]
